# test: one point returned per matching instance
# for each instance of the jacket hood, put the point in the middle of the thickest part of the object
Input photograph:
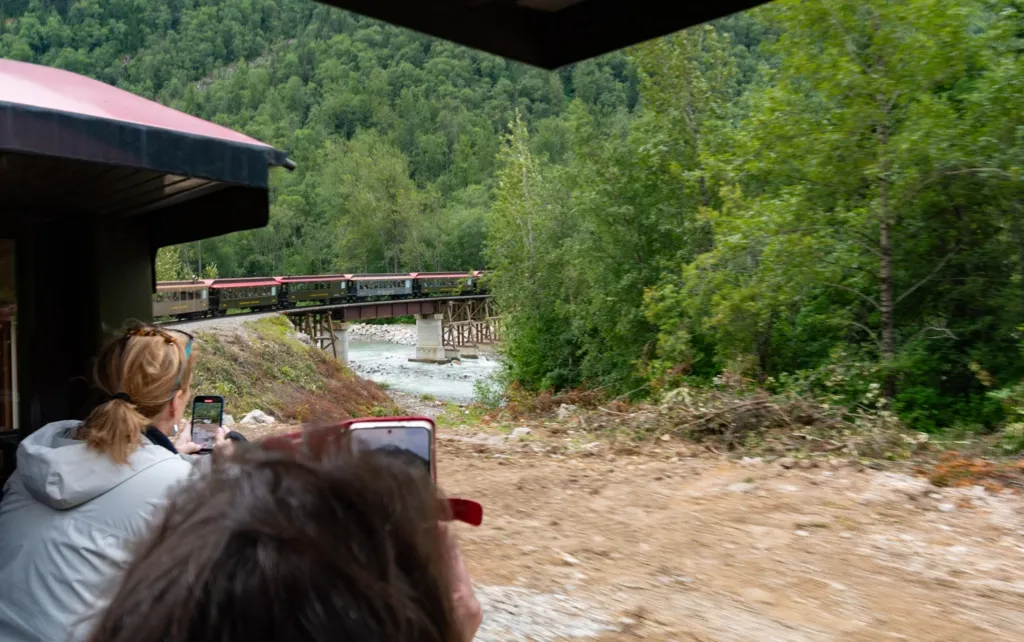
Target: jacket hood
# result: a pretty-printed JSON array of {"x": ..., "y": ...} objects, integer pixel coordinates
[{"x": 62, "y": 472}]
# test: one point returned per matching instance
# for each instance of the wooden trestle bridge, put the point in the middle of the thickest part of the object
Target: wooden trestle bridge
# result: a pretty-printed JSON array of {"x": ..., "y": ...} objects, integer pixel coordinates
[{"x": 468, "y": 324}]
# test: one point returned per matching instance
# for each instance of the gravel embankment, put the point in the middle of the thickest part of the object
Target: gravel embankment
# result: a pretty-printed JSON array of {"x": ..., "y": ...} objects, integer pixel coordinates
[{"x": 230, "y": 322}]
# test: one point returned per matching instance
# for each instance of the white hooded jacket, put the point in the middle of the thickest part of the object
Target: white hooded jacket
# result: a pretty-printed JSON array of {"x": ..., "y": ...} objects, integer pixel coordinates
[{"x": 68, "y": 521}]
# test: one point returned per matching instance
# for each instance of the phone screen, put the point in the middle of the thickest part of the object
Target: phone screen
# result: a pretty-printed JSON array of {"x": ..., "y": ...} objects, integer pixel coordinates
[
  {"x": 207, "y": 415},
  {"x": 412, "y": 442}
]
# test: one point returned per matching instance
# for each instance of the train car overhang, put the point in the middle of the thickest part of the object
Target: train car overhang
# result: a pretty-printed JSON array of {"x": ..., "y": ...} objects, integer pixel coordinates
[
  {"x": 71, "y": 146},
  {"x": 545, "y": 33},
  {"x": 93, "y": 180}
]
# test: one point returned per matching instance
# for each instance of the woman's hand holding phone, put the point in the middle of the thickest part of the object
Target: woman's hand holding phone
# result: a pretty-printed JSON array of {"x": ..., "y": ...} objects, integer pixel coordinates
[
  {"x": 183, "y": 442},
  {"x": 222, "y": 446}
]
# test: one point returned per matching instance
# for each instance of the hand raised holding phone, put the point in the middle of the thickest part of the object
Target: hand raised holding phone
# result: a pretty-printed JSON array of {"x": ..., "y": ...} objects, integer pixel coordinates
[
  {"x": 223, "y": 446},
  {"x": 183, "y": 442}
]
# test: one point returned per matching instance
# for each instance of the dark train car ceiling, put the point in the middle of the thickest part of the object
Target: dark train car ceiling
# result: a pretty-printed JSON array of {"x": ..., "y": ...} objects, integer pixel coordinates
[{"x": 545, "y": 33}]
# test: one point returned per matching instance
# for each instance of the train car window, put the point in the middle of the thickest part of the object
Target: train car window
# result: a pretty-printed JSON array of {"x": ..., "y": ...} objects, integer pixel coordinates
[{"x": 204, "y": 295}]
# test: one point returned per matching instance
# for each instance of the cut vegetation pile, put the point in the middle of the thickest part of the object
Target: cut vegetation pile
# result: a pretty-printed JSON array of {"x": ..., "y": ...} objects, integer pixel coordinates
[
  {"x": 755, "y": 423},
  {"x": 729, "y": 420},
  {"x": 263, "y": 365}
]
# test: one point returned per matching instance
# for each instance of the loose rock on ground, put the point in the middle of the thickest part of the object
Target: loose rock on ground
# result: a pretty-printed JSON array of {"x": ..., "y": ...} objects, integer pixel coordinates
[{"x": 257, "y": 417}]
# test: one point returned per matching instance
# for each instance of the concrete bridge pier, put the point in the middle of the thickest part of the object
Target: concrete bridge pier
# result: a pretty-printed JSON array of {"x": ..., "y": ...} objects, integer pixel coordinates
[
  {"x": 429, "y": 344},
  {"x": 341, "y": 341}
]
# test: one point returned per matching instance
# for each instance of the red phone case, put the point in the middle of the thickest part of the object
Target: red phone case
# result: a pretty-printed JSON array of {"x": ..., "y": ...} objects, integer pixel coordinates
[{"x": 318, "y": 439}]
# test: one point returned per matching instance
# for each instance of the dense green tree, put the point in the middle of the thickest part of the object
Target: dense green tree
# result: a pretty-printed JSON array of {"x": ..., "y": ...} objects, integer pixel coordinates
[{"x": 858, "y": 220}]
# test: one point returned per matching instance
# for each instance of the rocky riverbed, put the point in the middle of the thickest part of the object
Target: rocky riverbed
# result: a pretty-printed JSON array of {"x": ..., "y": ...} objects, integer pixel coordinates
[
  {"x": 401, "y": 334},
  {"x": 381, "y": 353}
]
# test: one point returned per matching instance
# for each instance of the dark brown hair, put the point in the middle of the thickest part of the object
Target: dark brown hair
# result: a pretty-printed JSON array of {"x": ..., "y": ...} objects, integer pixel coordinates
[{"x": 277, "y": 546}]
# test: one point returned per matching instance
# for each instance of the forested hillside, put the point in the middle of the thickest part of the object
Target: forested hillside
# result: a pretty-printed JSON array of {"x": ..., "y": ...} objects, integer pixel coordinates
[
  {"x": 395, "y": 134},
  {"x": 822, "y": 197}
]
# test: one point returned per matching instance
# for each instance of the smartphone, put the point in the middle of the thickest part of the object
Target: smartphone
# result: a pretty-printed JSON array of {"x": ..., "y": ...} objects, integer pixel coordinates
[
  {"x": 410, "y": 439},
  {"x": 207, "y": 417}
]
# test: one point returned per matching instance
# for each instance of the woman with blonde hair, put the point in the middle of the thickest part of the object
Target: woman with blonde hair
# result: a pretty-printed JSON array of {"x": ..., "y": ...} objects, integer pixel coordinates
[{"x": 84, "y": 492}]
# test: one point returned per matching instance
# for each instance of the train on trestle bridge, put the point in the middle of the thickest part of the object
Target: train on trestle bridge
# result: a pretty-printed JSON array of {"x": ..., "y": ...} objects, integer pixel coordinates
[{"x": 199, "y": 298}]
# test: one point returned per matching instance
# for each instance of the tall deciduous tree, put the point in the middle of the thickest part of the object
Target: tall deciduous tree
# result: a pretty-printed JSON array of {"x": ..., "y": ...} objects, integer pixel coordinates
[{"x": 856, "y": 216}]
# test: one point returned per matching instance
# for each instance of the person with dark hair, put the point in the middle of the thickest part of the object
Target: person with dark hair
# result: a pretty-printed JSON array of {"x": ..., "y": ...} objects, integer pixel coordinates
[
  {"x": 83, "y": 492},
  {"x": 276, "y": 546}
]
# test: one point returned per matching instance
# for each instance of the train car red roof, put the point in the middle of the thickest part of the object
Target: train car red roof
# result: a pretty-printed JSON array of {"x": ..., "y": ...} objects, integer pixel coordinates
[
  {"x": 381, "y": 277},
  {"x": 440, "y": 275},
  {"x": 311, "y": 278},
  {"x": 58, "y": 90},
  {"x": 72, "y": 143},
  {"x": 223, "y": 284}
]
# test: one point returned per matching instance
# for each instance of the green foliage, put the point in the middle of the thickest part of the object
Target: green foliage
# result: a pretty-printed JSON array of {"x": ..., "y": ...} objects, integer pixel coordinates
[
  {"x": 489, "y": 392},
  {"x": 168, "y": 265},
  {"x": 867, "y": 212},
  {"x": 819, "y": 196}
]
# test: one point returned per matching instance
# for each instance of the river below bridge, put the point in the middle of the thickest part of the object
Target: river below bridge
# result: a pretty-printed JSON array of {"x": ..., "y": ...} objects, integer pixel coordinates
[{"x": 388, "y": 363}]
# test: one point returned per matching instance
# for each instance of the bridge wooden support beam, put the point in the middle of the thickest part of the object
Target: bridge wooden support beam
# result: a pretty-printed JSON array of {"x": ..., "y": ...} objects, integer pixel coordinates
[
  {"x": 324, "y": 331},
  {"x": 471, "y": 327}
]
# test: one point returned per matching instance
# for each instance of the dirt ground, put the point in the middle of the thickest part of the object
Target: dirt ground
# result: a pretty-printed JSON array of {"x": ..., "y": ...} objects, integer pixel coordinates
[{"x": 660, "y": 545}]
